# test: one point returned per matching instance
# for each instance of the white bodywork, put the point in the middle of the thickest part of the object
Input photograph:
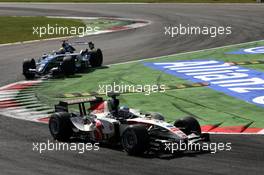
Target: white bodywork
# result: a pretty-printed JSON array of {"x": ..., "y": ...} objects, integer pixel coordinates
[{"x": 107, "y": 121}]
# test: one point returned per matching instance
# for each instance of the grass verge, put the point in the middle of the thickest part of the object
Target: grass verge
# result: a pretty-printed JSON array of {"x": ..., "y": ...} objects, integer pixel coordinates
[{"x": 18, "y": 29}]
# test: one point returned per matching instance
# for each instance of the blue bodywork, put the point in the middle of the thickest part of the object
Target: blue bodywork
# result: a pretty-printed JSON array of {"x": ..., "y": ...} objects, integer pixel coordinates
[{"x": 47, "y": 62}]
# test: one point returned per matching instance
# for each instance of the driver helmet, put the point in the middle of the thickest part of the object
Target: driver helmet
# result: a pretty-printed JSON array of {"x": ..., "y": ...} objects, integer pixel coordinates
[
  {"x": 156, "y": 116},
  {"x": 124, "y": 108},
  {"x": 124, "y": 112},
  {"x": 61, "y": 51}
]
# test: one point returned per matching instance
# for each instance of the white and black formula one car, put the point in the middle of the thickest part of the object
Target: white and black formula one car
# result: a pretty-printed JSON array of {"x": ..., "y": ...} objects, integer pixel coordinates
[
  {"x": 63, "y": 62},
  {"x": 105, "y": 122}
]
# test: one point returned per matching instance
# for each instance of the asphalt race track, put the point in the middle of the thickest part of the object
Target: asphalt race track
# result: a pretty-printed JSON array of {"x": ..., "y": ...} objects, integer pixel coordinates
[{"x": 16, "y": 136}]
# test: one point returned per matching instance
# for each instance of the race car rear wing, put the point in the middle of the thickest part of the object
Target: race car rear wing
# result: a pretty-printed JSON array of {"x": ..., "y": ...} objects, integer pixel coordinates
[{"x": 63, "y": 105}]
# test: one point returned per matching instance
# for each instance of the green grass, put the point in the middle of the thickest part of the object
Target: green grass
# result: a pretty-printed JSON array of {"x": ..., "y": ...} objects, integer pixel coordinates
[
  {"x": 136, "y": 1},
  {"x": 211, "y": 107},
  {"x": 18, "y": 29}
]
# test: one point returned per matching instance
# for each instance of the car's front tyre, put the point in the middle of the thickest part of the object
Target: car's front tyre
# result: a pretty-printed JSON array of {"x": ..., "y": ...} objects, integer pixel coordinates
[{"x": 135, "y": 140}]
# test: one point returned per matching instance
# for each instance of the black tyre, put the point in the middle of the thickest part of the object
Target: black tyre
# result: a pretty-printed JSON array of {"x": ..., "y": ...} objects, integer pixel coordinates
[
  {"x": 135, "y": 140},
  {"x": 188, "y": 125},
  {"x": 27, "y": 65},
  {"x": 60, "y": 126},
  {"x": 96, "y": 58},
  {"x": 68, "y": 65}
]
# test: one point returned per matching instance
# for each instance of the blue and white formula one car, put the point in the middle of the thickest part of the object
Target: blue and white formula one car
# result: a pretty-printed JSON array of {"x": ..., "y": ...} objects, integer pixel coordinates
[
  {"x": 105, "y": 122},
  {"x": 63, "y": 62}
]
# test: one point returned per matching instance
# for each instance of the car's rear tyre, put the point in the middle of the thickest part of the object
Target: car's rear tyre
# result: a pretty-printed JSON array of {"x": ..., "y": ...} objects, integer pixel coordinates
[
  {"x": 68, "y": 65},
  {"x": 27, "y": 65},
  {"x": 135, "y": 140},
  {"x": 96, "y": 58},
  {"x": 60, "y": 126},
  {"x": 188, "y": 125}
]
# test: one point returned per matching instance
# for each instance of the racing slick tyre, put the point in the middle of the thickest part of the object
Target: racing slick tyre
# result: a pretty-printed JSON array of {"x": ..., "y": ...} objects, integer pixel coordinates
[
  {"x": 68, "y": 65},
  {"x": 135, "y": 140},
  {"x": 96, "y": 58},
  {"x": 188, "y": 125},
  {"x": 27, "y": 65},
  {"x": 60, "y": 126}
]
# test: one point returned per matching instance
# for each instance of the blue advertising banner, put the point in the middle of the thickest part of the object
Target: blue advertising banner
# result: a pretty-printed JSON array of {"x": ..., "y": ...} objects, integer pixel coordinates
[{"x": 236, "y": 81}]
